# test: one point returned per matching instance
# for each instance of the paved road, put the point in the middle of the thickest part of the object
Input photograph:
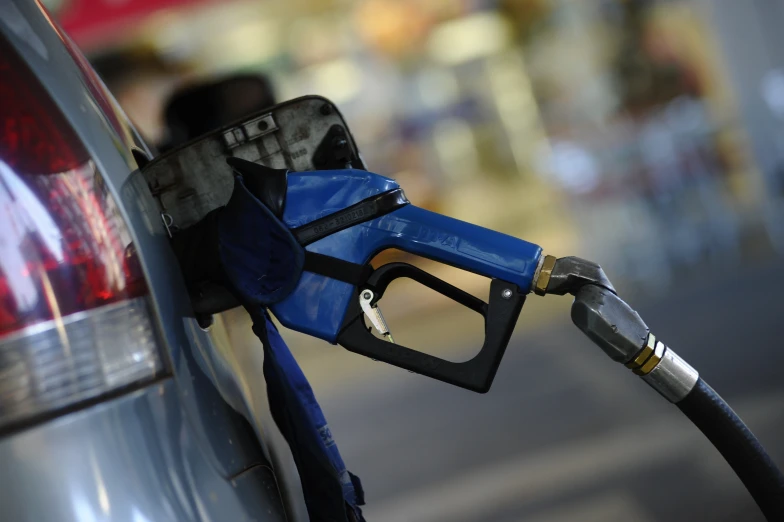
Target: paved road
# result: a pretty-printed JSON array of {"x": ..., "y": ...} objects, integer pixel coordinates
[{"x": 565, "y": 434}]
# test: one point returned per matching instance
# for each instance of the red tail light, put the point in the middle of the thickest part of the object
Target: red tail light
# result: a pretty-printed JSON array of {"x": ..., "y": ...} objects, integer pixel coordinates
[
  {"x": 32, "y": 137},
  {"x": 64, "y": 234},
  {"x": 65, "y": 257}
]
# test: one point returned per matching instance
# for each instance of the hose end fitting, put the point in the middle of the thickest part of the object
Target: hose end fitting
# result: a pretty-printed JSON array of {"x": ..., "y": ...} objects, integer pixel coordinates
[
  {"x": 618, "y": 330},
  {"x": 667, "y": 373}
]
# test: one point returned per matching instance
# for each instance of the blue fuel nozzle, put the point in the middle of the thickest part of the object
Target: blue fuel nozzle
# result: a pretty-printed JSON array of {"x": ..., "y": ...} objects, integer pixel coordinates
[{"x": 344, "y": 218}]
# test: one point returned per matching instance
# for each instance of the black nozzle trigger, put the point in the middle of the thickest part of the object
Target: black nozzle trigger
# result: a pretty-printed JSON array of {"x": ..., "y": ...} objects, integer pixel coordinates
[{"x": 477, "y": 374}]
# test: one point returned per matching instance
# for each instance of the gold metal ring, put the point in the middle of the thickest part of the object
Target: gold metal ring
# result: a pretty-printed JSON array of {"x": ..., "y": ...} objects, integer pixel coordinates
[
  {"x": 644, "y": 354},
  {"x": 653, "y": 361},
  {"x": 544, "y": 275}
]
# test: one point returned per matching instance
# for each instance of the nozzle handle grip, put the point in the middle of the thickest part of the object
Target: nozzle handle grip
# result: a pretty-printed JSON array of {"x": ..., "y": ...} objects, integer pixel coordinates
[
  {"x": 457, "y": 243},
  {"x": 477, "y": 374}
]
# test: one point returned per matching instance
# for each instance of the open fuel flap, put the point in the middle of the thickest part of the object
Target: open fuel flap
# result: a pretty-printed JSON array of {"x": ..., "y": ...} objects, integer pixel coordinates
[{"x": 304, "y": 134}]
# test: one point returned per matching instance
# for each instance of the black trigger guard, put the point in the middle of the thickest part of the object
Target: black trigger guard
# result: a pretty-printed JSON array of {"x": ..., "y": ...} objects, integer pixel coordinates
[
  {"x": 476, "y": 374},
  {"x": 381, "y": 278}
]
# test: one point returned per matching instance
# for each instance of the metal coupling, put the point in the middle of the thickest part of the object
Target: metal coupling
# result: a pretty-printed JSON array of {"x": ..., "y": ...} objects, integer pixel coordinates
[
  {"x": 609, "y": 322},
  {"x": 543, "y": 273},
  {"x": 667, "y": 373},
  {"x": 567, "y": 275},
  {"x": 618, "y": 330}
]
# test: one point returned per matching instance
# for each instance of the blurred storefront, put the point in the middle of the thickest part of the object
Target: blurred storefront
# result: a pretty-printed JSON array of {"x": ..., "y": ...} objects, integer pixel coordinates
[
  {"x": 647, "y": 135},
  {"x": 604, "y": 127}
]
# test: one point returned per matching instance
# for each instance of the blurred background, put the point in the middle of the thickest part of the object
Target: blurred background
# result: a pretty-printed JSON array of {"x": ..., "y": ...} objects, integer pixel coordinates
[{"x": 647, "y": 135}]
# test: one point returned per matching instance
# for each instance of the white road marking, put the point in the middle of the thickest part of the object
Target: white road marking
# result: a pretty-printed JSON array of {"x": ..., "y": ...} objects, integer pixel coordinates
[
  {"x": 610, "y": 507},
  {"x": 560, "y": 469}
]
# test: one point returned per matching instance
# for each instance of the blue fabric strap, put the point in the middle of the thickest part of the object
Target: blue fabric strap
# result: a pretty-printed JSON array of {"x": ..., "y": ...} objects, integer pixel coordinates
[
  {"x": 262, "y": 263},
  {"x": 330, "y": 490}
]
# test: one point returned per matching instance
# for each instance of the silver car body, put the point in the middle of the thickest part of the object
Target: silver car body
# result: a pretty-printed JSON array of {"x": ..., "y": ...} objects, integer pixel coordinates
[{"x": 189, "y": 446}]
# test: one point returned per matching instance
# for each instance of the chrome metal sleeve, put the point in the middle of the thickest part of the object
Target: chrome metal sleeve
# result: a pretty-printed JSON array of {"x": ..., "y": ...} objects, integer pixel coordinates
[{"x": 673, "y": 377}]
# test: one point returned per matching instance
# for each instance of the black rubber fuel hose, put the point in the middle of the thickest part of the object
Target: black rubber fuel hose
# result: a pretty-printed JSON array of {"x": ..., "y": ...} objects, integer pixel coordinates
[{"x": 738, "y": 445}]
